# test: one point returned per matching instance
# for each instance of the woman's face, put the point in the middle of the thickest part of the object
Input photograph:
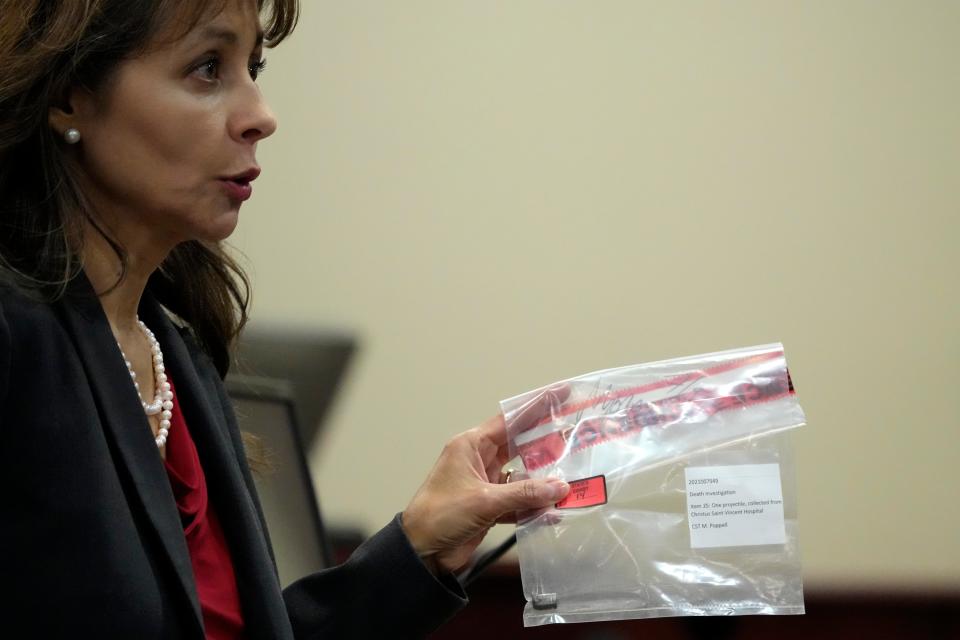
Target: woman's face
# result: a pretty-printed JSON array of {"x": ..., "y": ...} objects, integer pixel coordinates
[{"x": 168, "y": 145}]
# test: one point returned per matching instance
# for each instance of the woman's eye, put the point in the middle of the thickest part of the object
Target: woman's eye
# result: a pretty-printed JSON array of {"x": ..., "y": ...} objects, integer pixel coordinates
[
  {"x": 257, "y": 67},
  {"x": 208, "y": 69}
]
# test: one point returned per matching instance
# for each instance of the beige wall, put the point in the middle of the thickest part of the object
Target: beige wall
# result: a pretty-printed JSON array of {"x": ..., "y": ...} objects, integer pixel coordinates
[{"x": 498, "y": 194}]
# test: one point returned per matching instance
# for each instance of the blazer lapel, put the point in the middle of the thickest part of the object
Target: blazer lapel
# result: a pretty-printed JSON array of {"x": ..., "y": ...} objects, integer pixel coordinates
[
  {"x": 197, "y": 384},
  {"x": 126, "y": 425}
]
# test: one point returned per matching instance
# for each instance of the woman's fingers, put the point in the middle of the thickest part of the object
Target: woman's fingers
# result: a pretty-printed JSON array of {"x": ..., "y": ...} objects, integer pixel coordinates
[
  {"x": 464, "y": 495},
  {"x": 539, "y": 406},
  {"x": 524, "y": 495}
]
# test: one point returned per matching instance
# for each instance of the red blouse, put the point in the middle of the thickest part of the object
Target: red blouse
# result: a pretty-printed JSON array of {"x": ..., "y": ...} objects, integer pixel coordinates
[{"x": 209, "y": 555}]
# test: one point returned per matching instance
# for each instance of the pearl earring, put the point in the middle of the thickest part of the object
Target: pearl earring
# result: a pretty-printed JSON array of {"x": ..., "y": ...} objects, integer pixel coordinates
[{"x": 72, "y": 136}]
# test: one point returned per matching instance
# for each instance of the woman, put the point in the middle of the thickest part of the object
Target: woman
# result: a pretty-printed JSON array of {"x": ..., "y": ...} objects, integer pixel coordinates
[{"x": 128, "y": 131}]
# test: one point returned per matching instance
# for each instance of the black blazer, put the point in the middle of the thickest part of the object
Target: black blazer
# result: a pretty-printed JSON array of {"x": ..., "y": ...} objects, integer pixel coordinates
[{"x": 91, "y": 543}]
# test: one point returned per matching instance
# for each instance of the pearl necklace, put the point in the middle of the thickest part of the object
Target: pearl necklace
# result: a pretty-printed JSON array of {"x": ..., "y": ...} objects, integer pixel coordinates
[{"x": 163, "y": 398}]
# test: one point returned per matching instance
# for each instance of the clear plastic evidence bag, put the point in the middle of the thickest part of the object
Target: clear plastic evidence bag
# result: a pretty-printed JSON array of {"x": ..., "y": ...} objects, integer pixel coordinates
[{"x": 683, "y": 493}]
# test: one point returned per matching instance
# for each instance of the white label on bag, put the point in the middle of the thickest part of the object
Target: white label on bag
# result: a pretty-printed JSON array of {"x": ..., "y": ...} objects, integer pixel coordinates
[{"x": 735, "y": 506}]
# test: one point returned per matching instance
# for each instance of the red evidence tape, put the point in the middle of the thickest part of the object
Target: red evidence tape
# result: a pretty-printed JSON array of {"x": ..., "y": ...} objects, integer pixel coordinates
[
  {"x": 548, "y": 449},
  {"x": 659, "y": 384}
]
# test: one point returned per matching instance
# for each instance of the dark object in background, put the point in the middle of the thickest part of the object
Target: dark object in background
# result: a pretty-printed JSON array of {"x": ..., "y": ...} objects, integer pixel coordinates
[
  {"x": 264, "y": 408},
  {"x": 297, "y": 375},
  {"x": 313, "y": 363}
]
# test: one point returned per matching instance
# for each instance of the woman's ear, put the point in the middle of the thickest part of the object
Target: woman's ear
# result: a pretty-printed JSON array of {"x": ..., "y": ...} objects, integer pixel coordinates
[
  {"x": 61, "y": 119},
  {"x": 71, "y": 112}
]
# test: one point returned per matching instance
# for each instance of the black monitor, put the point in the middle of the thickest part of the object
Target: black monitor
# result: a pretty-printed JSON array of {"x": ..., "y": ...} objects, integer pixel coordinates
[
  {"x": 264, "y": 408},
  {"x": 283, "y": 404},
  {"x": 313, "y": 362}
]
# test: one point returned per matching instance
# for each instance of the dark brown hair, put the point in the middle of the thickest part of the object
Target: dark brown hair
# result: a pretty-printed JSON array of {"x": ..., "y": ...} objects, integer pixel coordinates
[{"x": 47, "y": 47}]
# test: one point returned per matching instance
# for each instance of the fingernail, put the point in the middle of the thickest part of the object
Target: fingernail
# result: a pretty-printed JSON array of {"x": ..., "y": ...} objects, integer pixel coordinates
[{"x": 559, "y": 489}]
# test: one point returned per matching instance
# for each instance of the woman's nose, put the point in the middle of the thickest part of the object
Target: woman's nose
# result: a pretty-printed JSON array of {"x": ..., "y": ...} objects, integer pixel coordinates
[{"x": 256, "y": 121}]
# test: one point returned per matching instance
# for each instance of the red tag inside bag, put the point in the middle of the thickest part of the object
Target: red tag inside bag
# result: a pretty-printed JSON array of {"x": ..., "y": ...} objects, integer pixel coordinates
[{"x": 588, "y": 492}]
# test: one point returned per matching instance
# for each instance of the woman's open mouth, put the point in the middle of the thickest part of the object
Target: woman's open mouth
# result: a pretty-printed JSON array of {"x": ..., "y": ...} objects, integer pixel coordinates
[{"x": 238, "y": 186}]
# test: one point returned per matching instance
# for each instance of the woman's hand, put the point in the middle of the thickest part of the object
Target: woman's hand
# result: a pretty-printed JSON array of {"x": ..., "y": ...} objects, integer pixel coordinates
[{"x": 462, "y": 498}]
